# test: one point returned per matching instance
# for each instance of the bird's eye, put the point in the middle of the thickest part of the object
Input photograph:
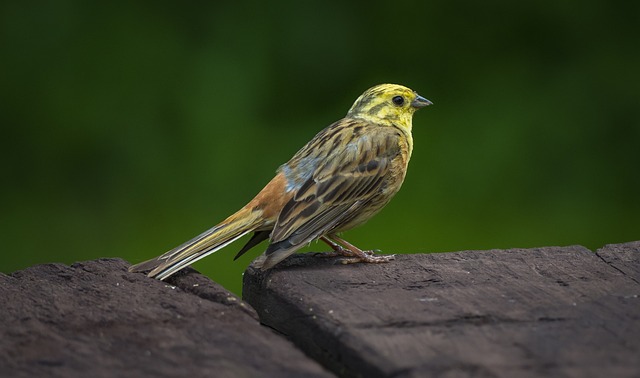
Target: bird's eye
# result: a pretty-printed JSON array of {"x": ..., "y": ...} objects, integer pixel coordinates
[{"x": 398, "y": 100}]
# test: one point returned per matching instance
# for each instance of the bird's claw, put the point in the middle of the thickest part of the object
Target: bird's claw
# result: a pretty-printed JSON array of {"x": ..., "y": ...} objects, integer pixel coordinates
[{"x": 368, "y": 258}]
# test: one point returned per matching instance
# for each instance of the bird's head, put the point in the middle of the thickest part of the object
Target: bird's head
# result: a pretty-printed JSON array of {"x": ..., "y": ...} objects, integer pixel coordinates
[{"x": 388, "y": 104}]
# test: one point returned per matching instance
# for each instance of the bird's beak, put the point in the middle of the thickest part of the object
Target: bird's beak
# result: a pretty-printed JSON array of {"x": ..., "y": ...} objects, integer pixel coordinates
[{"x": 420, "y": 102}]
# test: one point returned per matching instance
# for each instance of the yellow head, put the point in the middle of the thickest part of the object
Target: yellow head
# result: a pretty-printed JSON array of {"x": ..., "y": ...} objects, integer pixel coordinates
[{"x": 388, "y": 104}]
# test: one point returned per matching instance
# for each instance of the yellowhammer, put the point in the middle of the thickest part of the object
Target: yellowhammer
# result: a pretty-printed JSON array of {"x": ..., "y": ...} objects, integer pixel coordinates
[{"x": 337, "y": 181}]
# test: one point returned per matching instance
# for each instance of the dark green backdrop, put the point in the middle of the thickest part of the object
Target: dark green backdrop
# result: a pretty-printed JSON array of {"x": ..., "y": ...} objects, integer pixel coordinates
[{"x": 129, "y": 128}]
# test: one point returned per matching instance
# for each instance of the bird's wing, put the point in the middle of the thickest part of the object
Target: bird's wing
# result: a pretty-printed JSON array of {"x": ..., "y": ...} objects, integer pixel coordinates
[{"x": 348, "y": 163}]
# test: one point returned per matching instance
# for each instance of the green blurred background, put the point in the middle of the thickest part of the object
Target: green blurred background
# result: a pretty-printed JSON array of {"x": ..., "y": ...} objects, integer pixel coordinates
[{"x": 130, "y": 127}]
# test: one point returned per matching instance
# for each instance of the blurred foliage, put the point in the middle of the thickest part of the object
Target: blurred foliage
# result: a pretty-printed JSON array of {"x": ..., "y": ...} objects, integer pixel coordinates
[{"x": 129, "y": 127}]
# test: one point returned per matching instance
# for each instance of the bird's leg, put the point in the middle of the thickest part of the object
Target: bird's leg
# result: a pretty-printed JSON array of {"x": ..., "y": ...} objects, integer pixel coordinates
[
  {"x": 338, "y": 250},
  {"x": 352, "y": 253}
]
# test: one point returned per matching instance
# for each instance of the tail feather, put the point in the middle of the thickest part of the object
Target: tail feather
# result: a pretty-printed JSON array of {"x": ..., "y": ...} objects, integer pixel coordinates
[{"x": 231, "y": 229}]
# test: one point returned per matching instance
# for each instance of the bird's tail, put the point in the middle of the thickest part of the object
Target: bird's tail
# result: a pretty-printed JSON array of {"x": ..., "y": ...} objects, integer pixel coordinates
[{"x": 237, "y": 225}]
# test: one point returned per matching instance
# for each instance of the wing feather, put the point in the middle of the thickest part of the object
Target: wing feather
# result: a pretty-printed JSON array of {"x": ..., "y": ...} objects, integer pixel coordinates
[{"x": 346, "y": 178}]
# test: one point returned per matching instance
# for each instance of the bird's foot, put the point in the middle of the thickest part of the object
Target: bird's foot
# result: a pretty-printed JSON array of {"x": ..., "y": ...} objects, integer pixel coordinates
[
  {"x": 338, "y": 251},
  {"x": 368, "y": 257},
  {"x": 353, "y": 254}
]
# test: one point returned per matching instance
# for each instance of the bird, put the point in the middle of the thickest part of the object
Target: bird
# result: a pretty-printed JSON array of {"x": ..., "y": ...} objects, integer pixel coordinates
[{"x": 340, "y": 179}]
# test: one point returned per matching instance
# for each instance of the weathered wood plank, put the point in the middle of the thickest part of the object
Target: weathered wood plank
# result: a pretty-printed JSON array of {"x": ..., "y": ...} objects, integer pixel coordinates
[
  {"x": 94, "y": 319},
  {"x": 623, "y": 257},
  {"x": 557, "y": 311}
]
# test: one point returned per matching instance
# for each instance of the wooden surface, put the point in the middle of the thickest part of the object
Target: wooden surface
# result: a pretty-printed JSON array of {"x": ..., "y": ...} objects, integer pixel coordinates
[
  {"x": 544, "y": 312},
  {"x": 95, "y": 319}
]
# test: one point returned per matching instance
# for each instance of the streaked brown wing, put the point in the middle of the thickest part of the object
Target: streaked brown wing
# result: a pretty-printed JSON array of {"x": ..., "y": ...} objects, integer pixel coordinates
[{"x": 347, "y": 178}]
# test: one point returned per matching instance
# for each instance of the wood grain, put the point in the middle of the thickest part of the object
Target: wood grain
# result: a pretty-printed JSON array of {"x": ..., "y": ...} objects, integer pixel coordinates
[{"x": 555, "y": 311}]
